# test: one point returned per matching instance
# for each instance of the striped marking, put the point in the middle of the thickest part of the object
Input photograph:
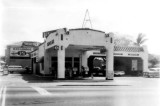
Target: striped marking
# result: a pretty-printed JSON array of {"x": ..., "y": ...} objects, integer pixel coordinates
[
  {"x": 41, "y": 91},
  {"x": 3, "y": 95}
]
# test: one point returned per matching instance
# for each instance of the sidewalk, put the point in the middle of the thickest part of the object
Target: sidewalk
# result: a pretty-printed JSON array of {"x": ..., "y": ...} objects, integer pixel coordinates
[
  {"x": 87, "y": 81},
  {"x": 27, "y": 79}
]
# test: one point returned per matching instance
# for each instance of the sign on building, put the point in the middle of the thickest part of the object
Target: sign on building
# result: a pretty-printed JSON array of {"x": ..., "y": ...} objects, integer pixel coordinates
[
  {"x": 20, "y": 51},
  {"x": 33, "y": 44}
]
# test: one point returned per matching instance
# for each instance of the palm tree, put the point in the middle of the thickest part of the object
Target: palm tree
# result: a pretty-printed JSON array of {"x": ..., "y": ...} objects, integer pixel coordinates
[{"x": 140, "y": 39}]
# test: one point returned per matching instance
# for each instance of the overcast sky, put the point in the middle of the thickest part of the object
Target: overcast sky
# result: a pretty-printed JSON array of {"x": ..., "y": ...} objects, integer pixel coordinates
[{"x": 25, "y": 20}]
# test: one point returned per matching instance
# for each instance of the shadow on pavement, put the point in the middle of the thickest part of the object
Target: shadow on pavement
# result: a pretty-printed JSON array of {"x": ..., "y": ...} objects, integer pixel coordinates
[
  {"x": 49, "y": 79},
  {"x": 36, "y": 79}
]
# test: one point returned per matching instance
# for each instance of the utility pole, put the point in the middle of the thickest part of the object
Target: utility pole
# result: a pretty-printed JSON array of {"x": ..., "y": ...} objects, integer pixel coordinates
[{"x": 87, "y": 20}]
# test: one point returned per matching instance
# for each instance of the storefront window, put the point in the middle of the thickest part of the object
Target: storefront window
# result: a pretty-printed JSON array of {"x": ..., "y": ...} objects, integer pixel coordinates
[{"x": 68, "y": 62}]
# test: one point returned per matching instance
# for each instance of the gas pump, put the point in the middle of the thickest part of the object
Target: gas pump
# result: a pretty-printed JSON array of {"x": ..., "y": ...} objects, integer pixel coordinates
[{"x": 75, "y": 69}]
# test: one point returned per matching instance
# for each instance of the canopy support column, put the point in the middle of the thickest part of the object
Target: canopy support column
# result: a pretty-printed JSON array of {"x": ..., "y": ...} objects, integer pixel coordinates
[
  {"x": 109, "y": 64},
  {"x": 61, "y": 63}
]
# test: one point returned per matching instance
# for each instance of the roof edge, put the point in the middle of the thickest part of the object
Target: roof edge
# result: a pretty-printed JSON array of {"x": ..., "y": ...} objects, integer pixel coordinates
[{"x": 87, "y": 29}]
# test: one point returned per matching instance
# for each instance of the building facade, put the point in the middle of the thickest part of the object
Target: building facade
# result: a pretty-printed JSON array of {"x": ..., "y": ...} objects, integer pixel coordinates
[
  {"x": 131, "y": 60},
  {"x": 70, "y": 53},
  {"x": 63, "y": 49},
  {"x": 19, "y": 53}
]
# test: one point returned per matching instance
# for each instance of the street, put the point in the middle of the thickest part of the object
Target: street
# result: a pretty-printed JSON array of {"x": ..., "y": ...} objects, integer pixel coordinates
[{"x": 29, "y": 90}]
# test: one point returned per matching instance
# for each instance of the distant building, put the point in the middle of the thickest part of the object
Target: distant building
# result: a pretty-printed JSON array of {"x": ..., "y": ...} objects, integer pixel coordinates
[{"x": 19, "y": 53}]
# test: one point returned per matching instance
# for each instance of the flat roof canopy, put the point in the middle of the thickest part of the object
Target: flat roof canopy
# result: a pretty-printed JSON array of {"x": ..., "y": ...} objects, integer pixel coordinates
[{"x": 83, "y": 39}]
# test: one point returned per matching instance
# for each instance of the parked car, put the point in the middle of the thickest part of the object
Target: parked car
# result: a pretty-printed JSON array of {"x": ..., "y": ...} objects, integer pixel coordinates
[
  {"x": 28, "y": 70},
  {"x": 98, "y": 71},
  {"x": 152, "y": 72},
  {"x": 2, "y": 64},
  {"x": 119, "y": 73},
  {"x": 15, "y": 68}
]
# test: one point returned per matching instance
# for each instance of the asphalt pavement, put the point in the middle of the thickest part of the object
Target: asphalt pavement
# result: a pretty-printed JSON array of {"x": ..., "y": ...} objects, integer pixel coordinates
[{"x": 30, "y": 90}]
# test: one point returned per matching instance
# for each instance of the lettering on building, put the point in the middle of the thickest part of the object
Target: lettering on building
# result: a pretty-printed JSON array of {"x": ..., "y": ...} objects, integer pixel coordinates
[
  {"x": 19, "y": 48},
  {"x": 30, "y": 44},
  {"x": 118, "y": 53},
  {"x": 97, "y": 53},
  {"x": 133, "y": 54},
  {"x": 50, "y": 42}
]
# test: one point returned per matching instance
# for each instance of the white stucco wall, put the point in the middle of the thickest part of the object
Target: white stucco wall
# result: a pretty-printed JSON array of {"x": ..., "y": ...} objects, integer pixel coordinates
[
  {"x": 47, "y": 59},
  {"x": 41, "y": 50},
  {"x": 87, "y": 37},
  {"x": 77, "y": 37}
]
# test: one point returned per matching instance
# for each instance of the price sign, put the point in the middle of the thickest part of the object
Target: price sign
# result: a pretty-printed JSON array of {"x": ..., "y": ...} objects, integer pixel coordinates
[{"x": 22, "y": 53}]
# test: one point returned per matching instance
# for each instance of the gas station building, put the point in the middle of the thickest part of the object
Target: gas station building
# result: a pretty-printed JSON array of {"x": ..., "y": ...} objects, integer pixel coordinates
[{"x": 75, "y": 49}]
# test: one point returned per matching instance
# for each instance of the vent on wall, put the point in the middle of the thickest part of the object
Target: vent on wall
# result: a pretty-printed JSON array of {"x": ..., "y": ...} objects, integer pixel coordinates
[{"x": 128, "y": 49}]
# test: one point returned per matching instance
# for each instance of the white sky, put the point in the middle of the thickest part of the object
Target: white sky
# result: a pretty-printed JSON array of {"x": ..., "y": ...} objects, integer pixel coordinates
[{"x": 25, "y": 20}]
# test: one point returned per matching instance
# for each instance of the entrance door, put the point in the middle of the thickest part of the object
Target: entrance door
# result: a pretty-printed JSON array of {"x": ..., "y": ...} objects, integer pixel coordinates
[{"x": 54, "y": 65}]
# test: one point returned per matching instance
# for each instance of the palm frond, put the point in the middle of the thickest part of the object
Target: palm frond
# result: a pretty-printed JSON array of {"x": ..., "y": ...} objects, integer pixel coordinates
[{"x": 140, "y": 39}]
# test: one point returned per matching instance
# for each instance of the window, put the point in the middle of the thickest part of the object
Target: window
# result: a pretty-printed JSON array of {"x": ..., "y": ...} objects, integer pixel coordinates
[{"x": 61, "y": 36}]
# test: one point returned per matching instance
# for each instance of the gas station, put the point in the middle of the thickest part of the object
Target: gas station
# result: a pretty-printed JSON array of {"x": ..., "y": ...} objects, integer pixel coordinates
[
  {"x": 66, "y": 52},
  {"x": 63, "y": 49}
]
